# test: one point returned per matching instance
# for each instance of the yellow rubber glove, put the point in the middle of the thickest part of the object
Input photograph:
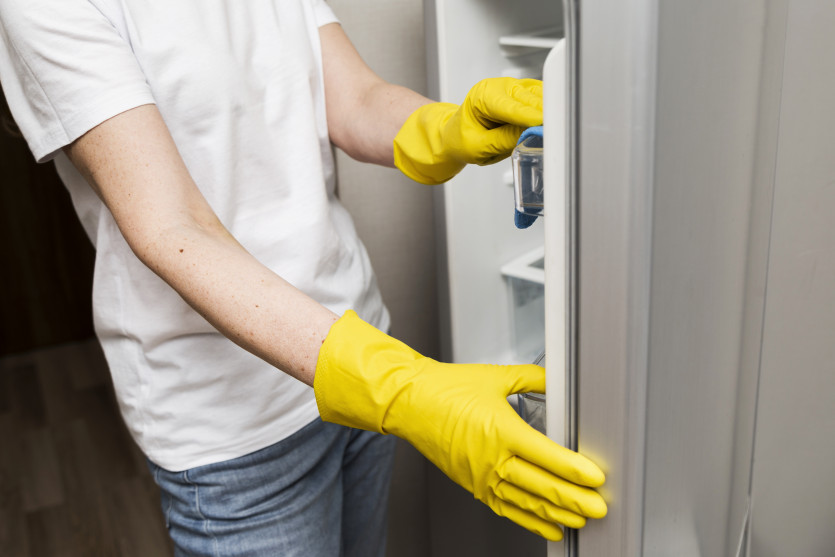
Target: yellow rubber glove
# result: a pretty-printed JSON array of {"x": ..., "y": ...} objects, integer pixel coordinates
[
  {"x": 439, "y": 139},
  {"x": 458, "y": 416}
]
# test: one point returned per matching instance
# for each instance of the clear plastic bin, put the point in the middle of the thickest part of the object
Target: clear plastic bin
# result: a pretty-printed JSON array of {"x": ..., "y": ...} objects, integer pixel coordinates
[
  {"x": 532, "y": 405},
  {"x": 527, "y": 176},
  {"x": 525, "y": 278}
]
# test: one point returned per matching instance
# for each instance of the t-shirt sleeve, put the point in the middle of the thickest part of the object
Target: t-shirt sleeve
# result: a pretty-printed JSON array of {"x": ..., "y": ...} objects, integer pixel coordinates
[
  {"x": 64, "y": 69},
  {"x": 322, "y": 13}
]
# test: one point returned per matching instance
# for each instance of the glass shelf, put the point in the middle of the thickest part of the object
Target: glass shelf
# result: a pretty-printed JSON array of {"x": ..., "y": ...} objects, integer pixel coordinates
[{"x": 540, "y": 39}]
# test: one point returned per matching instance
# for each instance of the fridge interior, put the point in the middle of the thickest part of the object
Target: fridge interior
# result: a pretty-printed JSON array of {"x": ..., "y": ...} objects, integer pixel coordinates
[
  {"x": 472, "y": 40},
  {"x": 492, "y": 273}
]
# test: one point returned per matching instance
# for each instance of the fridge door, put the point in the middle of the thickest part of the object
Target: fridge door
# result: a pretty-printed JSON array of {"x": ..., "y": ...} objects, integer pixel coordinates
[
  {"x": 677, "y": 111},
  {"x": 559, "y": 239},
  {"x": 696, "y": 309},
  {"x": 792, "y": 484}
]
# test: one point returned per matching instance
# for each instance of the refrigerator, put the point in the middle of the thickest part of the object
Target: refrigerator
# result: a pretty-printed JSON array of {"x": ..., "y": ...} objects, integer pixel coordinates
[{"x": 688, "y": 292}]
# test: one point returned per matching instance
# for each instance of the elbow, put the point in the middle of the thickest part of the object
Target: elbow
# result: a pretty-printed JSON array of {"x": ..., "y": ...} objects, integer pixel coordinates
[{"x": 163, "y": 248}]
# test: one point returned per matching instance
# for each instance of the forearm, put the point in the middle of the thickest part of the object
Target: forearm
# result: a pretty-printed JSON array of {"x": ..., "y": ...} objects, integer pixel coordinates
[
  {"x": 378, "y": 119},
  {"x": 244, "y": 300},
  {"x": 364, "y": 111},
  {"x": 133, "y": 165}
]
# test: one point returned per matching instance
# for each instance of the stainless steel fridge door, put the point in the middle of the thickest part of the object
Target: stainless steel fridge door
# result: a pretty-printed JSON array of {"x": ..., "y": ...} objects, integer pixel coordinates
[
  {"x": 792, "y": 485},
  {"x": 674, "y": 141}
]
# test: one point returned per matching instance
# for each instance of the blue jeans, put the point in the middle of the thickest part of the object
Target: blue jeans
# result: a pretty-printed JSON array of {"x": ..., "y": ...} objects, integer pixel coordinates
[{"x": 323, "y": 491}]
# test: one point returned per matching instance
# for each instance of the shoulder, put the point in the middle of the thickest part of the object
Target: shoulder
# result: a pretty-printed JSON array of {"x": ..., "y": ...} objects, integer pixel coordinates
[{"x": 25, "y": 21}]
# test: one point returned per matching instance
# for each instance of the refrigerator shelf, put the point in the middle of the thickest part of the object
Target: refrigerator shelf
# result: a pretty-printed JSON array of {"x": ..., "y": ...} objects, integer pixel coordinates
[
  {"x": 542, "y": 38},
  {"x": 525, "y": 277}
]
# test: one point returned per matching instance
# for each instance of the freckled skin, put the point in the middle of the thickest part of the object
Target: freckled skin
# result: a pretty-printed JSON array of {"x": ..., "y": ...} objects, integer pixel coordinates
[{"x": 132, "y": 163}]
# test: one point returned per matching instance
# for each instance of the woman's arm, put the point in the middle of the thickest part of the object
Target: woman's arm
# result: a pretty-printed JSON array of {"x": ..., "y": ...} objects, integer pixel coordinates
[
  {"x": 133, "y": 165},
  {"x": 430, "y": 142},
  {"x": 364, "y": 112}
]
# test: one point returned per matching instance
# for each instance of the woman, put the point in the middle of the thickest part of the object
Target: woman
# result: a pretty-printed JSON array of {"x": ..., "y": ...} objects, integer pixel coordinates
[{"x": 194, "y": 138}]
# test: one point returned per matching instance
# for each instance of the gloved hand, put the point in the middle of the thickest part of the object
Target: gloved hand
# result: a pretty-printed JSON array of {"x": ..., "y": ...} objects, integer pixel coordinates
[
  {"x": 439, "y": 139},
  {"x": 458, "y": 416}
]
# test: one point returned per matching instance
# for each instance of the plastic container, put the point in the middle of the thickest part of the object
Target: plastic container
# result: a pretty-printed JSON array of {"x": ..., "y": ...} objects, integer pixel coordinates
[
  {"x": 527, "y": 176},
  {"x": 525, "y": 278},
  {"x": 532, "y": 405}
]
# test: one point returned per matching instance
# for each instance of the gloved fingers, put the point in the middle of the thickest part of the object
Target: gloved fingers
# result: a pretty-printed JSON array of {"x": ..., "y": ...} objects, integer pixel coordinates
[
  {"x": 492, "y": 112},
  {"x": 526, "y": 378},
  {"x": 532, "y": 446},
  {"x": 496, "y": 144},
  {"x": 500, "y": 101},
  {"x": 532, "y": 85},
  {"x": 542, "y": 508},
  {"x": 528, "y": 520},
  {"x": 562, "y": 493},
  {"x": 529, "y": 93}
]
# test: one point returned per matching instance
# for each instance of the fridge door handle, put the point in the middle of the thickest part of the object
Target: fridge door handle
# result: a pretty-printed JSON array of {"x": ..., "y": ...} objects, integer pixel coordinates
[
  {"x": 559, "y": 171},
  {"x": 557, "y": 247}
]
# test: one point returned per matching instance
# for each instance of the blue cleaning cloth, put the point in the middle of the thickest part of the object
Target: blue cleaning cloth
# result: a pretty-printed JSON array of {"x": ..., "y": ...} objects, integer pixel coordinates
[
  {"x": 521, "y": 220},
  {"x": 535, "y": 130}
]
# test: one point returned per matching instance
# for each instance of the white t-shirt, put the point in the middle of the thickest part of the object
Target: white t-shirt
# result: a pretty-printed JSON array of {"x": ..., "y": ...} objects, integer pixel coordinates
[{"x": 239, "y": 84}]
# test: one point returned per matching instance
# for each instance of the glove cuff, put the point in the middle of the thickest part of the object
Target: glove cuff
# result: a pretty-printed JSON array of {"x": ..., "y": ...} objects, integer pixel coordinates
[
  {"x": 359, "y": 373},
  {"x": 418, "y": 147}
]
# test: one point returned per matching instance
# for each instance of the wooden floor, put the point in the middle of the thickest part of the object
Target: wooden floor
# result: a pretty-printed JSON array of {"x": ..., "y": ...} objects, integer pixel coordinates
[{"x": 72, "y": 482}]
